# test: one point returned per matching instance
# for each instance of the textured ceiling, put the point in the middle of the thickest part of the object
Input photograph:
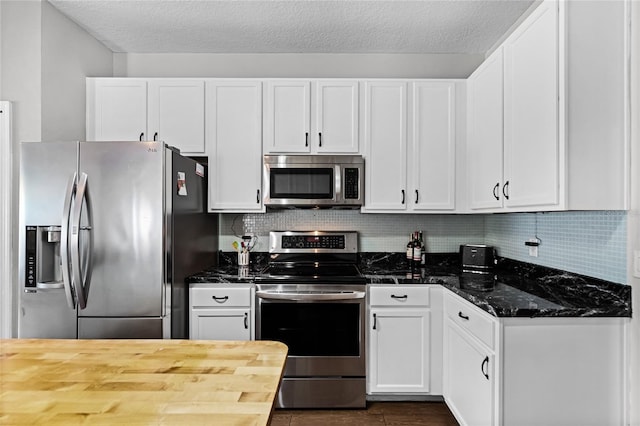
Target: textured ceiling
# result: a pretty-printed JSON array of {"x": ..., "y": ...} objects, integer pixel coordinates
[{"x": 295, "y": 26}]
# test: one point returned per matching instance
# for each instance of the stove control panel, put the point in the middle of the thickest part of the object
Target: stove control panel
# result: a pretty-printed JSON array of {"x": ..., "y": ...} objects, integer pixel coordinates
[
  {"x": 313, "y": 241},
  {"x": 300, "y": 242}
]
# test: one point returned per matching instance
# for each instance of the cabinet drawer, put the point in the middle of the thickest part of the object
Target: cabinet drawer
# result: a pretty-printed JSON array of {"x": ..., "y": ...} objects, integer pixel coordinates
[
  {"x": 220, "y": 297},
  {"x": 399, "y": 296},
  {"x": 467, "y": 316}
]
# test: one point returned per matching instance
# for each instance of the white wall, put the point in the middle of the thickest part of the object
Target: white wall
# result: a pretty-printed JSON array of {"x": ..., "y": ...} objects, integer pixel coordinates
[
  {"x": 633, "y": 219},
  {"x": 295, "y": 65},
  {"x": 69, "y": 54}
]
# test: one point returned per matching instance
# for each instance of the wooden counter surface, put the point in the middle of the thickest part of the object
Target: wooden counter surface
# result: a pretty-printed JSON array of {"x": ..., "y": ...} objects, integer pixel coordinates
[{"x": 135, "y": 382}]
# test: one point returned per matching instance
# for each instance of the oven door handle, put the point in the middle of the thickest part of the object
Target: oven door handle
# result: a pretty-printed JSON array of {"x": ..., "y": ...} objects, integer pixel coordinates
[{"x": 343, "y": 295}]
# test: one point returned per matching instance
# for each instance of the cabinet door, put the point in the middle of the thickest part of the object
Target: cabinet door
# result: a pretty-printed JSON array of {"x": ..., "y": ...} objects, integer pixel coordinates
[
  {"x": 234, "y": 145},
  {"x": 399, "y": 356},
  {"x": 220, "y": 324},
  {"x": 176, "y": 114},
  {"x": 531, "y": 111},
  {"x": 386, "y": 145},
  {"x": 336, "y": 117},
  {"x": 287, "y": 116},
  {"x": 117, "y": 109},
  {"x": 485, "y": 134},
  {"x": 433, "y": 167},
  {"x": 468, "y": 378}
]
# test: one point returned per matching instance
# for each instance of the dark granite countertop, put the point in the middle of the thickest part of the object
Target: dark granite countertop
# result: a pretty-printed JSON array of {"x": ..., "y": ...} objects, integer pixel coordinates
[{"x": 514, "y": 289}]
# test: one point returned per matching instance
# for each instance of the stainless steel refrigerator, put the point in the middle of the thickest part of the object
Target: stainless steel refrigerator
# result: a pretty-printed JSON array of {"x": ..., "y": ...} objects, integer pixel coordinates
[{"x": 108, "y": 233}]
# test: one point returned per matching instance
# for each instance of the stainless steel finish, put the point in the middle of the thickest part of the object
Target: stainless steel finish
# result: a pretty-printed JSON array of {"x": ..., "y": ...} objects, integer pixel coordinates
[
  {"x": 64, "y": 247},
  {"x": 45, "y": 171},
  {"x": 81, "y": 275},
  {"x": 127, "y": 180},
  {"x": 122, "y": 328},
  {"x": 311, "y": 296},
  {"x": 275, "y": 242},
  {"x": 325, "y": 392},
  {"x": 336, "y": 162},
  {"x": 146, "y": 238}
]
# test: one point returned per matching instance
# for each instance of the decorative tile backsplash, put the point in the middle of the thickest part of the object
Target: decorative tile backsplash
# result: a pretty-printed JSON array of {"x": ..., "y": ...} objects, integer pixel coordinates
[
  {"x": 377, "y": 232},
  {"x": 591, "y": 243}
]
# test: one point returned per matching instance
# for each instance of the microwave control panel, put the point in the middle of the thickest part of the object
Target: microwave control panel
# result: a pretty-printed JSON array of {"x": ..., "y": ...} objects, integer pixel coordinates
[{"x": 351, "y": 181}]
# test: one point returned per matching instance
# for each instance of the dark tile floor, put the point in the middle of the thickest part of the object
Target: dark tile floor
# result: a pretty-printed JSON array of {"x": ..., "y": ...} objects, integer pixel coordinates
[{"x": 376, "y": 414}]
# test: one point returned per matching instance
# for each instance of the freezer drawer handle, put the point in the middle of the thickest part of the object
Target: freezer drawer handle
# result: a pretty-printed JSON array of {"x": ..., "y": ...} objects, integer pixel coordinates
[{"x": 220, "y": 299}]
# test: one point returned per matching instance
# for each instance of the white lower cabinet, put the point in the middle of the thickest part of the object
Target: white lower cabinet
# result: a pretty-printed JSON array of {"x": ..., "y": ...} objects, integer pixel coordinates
[
  {"x": 532, "y": 371},
  {"x": 403, "y": 352},
  {"x": 221, "y": 313}
]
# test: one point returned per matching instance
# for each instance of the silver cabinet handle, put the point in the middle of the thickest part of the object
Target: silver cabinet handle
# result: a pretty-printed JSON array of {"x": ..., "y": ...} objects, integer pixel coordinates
[
  {"x": 64, "y": 241},
  {"x": 81, "y": 280}
]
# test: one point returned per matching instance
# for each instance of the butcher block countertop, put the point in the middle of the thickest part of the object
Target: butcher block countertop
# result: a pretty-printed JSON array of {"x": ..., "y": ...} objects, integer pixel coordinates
[{"x": 138, "y": 382}]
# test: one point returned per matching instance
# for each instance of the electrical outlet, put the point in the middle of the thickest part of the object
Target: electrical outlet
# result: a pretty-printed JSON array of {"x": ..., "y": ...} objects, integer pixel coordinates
[{"x": 636, "y": 263}]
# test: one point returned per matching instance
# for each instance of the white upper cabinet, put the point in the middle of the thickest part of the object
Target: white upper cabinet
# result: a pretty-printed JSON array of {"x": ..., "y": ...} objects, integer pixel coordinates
[
  {"x": 385, "y": 145},
  {"x": 559, "y": 109},
  {"x": 234, "y": 145},
  {"x": 116, "y": 109},
  {"x": 410, "y": 157},
  {"x": 168, "y": 110},
  {"x": 337, "y": 112},
  {"x": 432, "y": 167},
  {"x": 531, "y": 131},
  {"x": 176, "y": 114},
  {"x": 287, "y": 116},
  {"x": 484, "y": 138},
  {"x": 311, "y": 116}
]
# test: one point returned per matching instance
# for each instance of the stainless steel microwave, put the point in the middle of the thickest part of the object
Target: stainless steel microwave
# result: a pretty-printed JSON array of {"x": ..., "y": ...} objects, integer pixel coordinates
[{"x": 313, "y": 181}]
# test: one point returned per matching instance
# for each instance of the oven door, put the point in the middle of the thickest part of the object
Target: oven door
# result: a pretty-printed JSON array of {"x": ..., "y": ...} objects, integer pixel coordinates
[{"x": 323, "y": 328}]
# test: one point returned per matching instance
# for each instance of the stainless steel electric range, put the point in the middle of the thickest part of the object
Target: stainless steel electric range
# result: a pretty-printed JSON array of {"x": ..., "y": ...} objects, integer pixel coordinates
[{"x": 312, "y": 298}]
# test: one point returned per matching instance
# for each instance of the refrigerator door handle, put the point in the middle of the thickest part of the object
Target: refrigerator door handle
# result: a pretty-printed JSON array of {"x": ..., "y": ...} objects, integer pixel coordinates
[
  {"x": 64, "y": 241},
  {"x": 81, "y": 278}
]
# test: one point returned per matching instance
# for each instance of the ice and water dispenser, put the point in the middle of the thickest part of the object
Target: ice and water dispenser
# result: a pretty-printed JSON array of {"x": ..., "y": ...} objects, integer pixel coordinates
[{"x": 43, "y": 263}]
